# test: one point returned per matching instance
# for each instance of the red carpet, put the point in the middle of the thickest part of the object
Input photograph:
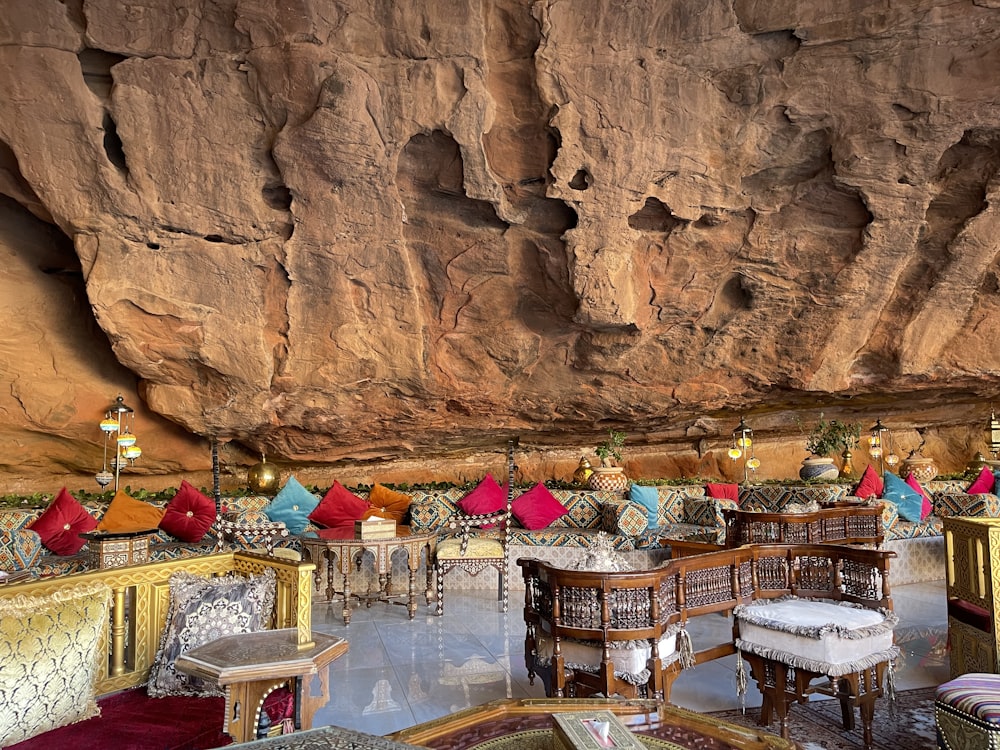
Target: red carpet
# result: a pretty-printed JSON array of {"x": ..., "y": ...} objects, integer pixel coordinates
[{"x": 131, "y": 720}]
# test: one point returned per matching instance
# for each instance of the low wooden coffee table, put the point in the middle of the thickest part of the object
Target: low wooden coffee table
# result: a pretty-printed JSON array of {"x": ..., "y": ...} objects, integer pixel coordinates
[{"x": 251, "y": 665}]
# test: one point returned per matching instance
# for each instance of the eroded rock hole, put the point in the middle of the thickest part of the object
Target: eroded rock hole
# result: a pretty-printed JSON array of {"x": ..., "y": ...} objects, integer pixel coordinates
[
  {"x": 581, "y": 180},
  {"x": 113, "y": 147},
  {"x": 654, "y": 216}
]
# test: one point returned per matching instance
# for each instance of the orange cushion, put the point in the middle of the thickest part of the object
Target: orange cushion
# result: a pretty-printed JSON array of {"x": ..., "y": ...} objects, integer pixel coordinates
[
  {"x": 128, "y": 514},
  {"x": 387, "y": 503}
]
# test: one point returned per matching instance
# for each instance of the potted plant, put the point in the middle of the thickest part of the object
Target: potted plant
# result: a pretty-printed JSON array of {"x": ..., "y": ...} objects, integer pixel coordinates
[
  {"x": 827, "y": 440},
  {"x": 609, "y": 476}
]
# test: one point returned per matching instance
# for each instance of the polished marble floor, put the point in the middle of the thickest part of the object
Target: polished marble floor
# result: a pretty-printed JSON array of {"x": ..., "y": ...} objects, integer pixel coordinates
[{"x": 400, "y": 672}]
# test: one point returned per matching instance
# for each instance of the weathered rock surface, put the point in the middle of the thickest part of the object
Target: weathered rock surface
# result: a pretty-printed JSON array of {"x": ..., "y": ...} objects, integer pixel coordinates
[{"x": 391, "y": 235}]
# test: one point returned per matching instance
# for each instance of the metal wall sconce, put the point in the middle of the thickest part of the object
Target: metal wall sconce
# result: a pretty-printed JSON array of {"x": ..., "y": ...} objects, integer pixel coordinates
[
  {"x": 118, "y": 422},
  {"x": 743, "y": 448},
  {"x": 880, "y": 446}
]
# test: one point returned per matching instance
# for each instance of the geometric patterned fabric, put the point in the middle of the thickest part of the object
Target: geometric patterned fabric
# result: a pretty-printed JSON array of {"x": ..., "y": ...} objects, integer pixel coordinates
[{"x": 49, "y": 655}]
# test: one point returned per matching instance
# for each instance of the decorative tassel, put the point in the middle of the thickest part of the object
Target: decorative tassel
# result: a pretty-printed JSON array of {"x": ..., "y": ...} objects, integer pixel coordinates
[
  {"x": 287, "y": 726},
  {"x": 890, "y": 689},
  {"x": 741, "y": 681},
  {"x": 685, "y": 648}
]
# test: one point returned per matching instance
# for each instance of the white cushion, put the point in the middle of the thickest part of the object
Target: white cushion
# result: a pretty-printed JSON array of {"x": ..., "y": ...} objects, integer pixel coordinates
[
  {"x": 628, "y": 657},
  {"x": 830, "y": 637}
]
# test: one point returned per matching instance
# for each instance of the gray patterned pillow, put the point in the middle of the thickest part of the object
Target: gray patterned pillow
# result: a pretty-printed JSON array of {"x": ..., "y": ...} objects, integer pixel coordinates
[{"x": 201, "y": 610}]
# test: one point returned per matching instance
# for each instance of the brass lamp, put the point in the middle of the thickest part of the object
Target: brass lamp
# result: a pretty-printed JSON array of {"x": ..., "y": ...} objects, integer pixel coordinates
[
  {"x": 880, "y": 446},
  {"x": 743, "y": 448},
  {"x": 118, "y": 422}
]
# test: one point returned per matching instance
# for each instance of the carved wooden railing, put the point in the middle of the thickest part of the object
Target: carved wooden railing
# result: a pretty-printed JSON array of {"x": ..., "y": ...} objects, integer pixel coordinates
[
  {"x": 141, "y": 596},
  {"x": 849, "y": 524}
]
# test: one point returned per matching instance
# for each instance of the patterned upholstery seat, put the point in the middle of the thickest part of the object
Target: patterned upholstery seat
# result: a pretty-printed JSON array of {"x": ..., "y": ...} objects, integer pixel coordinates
[{"x": 967, "y": 712}]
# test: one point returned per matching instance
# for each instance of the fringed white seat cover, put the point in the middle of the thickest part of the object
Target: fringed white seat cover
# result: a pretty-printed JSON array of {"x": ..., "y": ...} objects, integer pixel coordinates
[{"x": 832, "y": 638}]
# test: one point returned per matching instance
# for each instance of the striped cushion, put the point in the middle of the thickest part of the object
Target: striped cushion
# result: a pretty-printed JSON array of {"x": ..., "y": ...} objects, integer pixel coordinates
[{"x": 974, "y": 694}]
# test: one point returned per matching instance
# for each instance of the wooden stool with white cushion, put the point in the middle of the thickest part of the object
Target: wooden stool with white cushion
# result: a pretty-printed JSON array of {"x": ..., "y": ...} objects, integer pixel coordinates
[{"x": 791, "y": 642}]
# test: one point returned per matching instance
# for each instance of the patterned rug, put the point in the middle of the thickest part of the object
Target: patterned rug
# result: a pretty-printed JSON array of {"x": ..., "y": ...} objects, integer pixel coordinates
[{"x": 816, "y": 725}]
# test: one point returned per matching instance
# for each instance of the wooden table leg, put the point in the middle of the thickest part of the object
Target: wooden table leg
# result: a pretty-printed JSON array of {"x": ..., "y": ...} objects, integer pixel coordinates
[
  {"x": 330, "y": 571},
  {"x": 310, "y": 703},
  {"x": 347, "y": 598},
  {"x": 411, "y": 602},
  {"x": 429, "y": 591}
]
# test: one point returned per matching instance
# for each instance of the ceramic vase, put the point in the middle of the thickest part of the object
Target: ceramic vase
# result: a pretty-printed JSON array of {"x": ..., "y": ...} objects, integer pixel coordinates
[
  {"x": 923, "y": 469},
  {"x": 817, "y": 467},
  {"x": 608, "y": 479}
]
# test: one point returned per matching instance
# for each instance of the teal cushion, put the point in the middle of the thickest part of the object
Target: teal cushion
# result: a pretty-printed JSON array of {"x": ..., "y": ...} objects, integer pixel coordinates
[
  {"x": 908, "y": 501},
  {"x": 648, "y": 498},
  {"x": 292, "y": 506}
]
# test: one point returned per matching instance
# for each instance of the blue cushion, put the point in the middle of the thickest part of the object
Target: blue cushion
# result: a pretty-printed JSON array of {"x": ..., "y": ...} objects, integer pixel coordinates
[
  {"x": 648, "y": 498},
  {"x": 908, "y": 501},
  {"x": 292, "y": 506}
]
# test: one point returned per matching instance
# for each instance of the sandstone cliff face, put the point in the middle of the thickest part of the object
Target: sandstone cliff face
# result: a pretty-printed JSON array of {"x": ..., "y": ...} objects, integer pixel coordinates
[{"x": 388, "y": 235}]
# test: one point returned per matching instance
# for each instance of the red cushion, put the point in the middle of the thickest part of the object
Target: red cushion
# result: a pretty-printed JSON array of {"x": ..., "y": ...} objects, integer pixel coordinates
[
  {"x": 537, "y": 508},
  {"x": 984, "y": 482},
  {"x": 189, "y": 515},
  {"x": 870, "y": 485},
  {"x": 62, "y": 523},
  {"x": 339, "y": 507},
  {"x": 927, "y": 506},
  {"x": 723, "y": 491},
  {"x": 488, "y": 497}
]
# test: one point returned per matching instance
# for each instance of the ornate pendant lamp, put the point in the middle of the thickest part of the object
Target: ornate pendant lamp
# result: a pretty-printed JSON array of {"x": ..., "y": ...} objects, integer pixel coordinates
[
  {"x": 118, "y": 422},
  {"x": 742, "y": 447},
  {"x": 880, "y": 446}
]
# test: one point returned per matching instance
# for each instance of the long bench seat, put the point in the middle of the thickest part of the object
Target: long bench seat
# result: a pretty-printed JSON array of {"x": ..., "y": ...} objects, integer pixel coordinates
[
  {"x": 128, "y": 618},
  {"x": 682, "y": 513}
]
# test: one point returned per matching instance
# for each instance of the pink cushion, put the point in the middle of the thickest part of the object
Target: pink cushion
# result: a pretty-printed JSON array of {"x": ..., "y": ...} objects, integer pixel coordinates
[
  {"x": 488, "y": 497},
  {"x": 723, "y": 491},
  {"x": 927, "y": 506},
  {"x": 62, "y": 523},
  {"x": 189, "y": 514},
  {"x": 537, "y": 508},
  {"x": 870, "y": 484},
  {"x": 339, "y": 507},
  {"x": 984, "y": 482}
]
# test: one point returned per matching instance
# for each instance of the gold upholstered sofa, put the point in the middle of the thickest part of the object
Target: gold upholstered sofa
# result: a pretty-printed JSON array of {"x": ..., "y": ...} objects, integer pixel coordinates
[{"x": 64, "y": 640}]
